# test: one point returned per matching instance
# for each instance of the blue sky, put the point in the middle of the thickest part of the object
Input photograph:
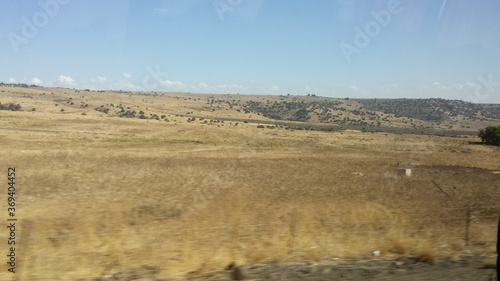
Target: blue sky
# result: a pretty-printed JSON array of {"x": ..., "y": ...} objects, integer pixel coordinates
[{"x": 335, "y": 48}]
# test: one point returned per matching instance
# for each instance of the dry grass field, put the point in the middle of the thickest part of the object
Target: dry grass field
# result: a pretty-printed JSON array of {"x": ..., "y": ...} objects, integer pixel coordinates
[{"x": 100, "y": 194}]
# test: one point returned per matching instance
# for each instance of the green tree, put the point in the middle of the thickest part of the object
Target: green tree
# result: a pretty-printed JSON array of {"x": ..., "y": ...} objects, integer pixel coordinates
[{"x": 490, "y": 135}]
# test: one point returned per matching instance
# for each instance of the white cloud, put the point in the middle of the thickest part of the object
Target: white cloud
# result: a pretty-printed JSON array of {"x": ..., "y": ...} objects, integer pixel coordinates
[
  {"x": 204, "y": 86},
  {"x": 172, "y": 84},
  {"x": 101, "y": 79},
  {"x": 128, "y": 86},
  {"x": 12, "y": 80},
  {"x": 221, "y": 88},
  {"x": 470, "y": 85},
  {"x": 64, "y": 80},
  {"x": 275, "y": 88},
  {"x": 467, "y": 86},
  {"x": 312, "y": 89},
  {"x": 175, "y": 85},
  {"x": 439, "y": 86},
  {"x": 126, "y": 75},
  {"x": 36, "y": 81},
  {"x": 231, "y": 87},
  {"x": 353, "y": 87}
]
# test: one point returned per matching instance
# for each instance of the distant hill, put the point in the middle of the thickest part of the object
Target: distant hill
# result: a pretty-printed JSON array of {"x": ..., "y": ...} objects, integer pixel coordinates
[
  {"x": 372, "y": 114},
  {"x": 433, "y": 109},
  {"x": 422, "y": 116}
]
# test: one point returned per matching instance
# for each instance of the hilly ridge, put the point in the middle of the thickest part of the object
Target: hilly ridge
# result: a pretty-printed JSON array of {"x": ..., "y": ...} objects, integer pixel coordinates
[{"x": 421, "y": 116}]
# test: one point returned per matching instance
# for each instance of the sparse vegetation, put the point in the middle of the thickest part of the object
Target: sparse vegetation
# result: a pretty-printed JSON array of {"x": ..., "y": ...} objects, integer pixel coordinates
[
  {"x": 281, "y": 194},
  {"x": 10, "y": 106},
  {"x": 102, "y": 109},
  {"x": 127, "y": 114}
]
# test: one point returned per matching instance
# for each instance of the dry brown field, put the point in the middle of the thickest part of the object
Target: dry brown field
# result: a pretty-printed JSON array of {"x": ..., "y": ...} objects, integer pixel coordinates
[{"x": 98, "y": 194}]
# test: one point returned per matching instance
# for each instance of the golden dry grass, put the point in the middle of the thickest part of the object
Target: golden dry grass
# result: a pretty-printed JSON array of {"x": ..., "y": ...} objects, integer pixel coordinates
[{"x": 98, "y": 195}]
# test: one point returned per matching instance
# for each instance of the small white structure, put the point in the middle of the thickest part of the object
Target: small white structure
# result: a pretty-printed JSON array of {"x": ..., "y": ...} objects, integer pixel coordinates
[
  {"x": 357, "y": 174},
  {"x": 404, "y": 172}
]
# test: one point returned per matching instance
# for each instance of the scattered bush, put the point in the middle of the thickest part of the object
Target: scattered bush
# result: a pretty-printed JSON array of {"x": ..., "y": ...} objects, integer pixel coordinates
[
  {"x": 102, "y": 109},
  {"x": 11, "y": 106},
  {"x": 128, "y": 114}
]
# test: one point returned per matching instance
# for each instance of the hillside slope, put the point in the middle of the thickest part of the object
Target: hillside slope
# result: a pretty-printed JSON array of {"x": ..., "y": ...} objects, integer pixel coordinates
[{"x": 421, "y": 116}]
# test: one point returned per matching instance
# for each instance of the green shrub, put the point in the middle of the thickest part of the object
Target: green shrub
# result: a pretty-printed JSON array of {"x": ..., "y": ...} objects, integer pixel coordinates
[
  {"x": 490, "y": 135},
  {"x": 127, "y": 114}
]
